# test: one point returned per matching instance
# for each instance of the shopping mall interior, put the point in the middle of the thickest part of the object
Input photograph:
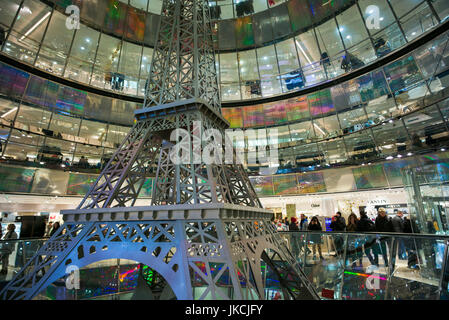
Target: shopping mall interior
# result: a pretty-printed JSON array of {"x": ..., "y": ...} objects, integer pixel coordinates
[{"x": 350, "y": 94}]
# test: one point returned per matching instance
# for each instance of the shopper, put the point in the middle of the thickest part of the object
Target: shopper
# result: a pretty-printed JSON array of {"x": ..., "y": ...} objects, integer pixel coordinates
[
  {"x": 398, "y": 226},
  {"x": 352, "y": 222},
  {"x": 354, "y": 242},
  {"x": 338, "y": 225},
  {"x": 303, "y": 223},
  {"x": 7, "y": 247},
  {"x": 366, "y": 225},
  {"x": 315, "y": 238},
  {"x": 382, "y": 224},
  {"x": 295, "y": 236},
  {"x": 412, "y": 258},
  {"x": 54, "y": 228},
  {"x": 48, "y": 229},
  {"x": 293, "y": 225},
  {"x": 338, "y": 222}
]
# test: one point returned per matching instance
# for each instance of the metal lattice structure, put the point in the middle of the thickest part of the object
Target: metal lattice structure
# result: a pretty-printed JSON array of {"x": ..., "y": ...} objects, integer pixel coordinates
[{"x": 202, "y": 215}]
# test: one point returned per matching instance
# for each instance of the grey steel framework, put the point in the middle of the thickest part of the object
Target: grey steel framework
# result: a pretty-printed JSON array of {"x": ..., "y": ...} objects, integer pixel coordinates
[{"x": 201, "y": 214}]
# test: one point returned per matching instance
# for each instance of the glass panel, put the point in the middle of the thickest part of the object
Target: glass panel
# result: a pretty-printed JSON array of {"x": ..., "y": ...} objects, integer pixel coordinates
[
  {"x": 426, "y": 128},
  {"x": 7, "y": 14},
  {"x": 280, "y": 21},
  {"x": 302, "y": 132},
  {"x": 326, "y": 127},
  {"x": 391, "y": 138},
  {"x": 299, "y": 13},
  {"x": 334, "y": 150},
  {"x": 418, "y": 22},
  {"x": 135, "y": 24},
  {"x": 244, "y": 32},
  {"x": 249, "y": 74},
  {"x": 270, "y": 86},
  {"x": 329, "y": 38},
  {"x": 140, "y": 4},
  {"x": 115, "y": 15},
  {"x": 263, "y": 29},
  {"x": 104, "y": 75},
  {"x": 226, "y": 35},
  {"x": 360, "y": 146},
  {"x": 128, "y": 68},
  {"x": 22, "y": 146},
  {"x": 91, "y": 153},
  {"x": 55, "y": 47},
  {"x": 287, "y": 56},
  {"x": 12, "y": 82},
  {"x": 67, "y": 126},
  {"x": 155, "y": 6},
  {"x": 92, "y": 132},
  {"x": 28, "y": 31},
  {"x": 266, "y": 57},
  {"x": 441, "y": 8},
  {"x": 401, "y": 7},
  {"x": 8, "y": 110},
  {"x": 79, "y": 66},
  {"x": 373, "y": 9},
  {"x": 351, "y": 26},
  {"x": 307, "y": 48}
]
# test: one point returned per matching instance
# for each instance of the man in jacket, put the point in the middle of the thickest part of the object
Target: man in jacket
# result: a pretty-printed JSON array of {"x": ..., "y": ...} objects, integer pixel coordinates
[
  {"x": 366, "y": 225},
  {"x": 338, "y": 224},
  {"x": 383, "y": 224},
  {"x": 398, "y": 226},
  {"x": 8, "y": 247}
]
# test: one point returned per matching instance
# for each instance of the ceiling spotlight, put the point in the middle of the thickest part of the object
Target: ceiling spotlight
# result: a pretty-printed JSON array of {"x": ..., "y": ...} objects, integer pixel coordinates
[
  {"x": 442, "y": 149},
  {"x": 399, "y": 156},
  {"x": 409, "y": 154},
  {"x": 389, "y": 158}
]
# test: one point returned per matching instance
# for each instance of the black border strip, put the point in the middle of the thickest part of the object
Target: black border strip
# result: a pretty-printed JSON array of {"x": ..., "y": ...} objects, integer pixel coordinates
[{"x": 368, "y": 68}]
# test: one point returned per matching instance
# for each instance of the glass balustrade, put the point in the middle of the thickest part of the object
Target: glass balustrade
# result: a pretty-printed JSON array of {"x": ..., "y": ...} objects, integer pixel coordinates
[
  {"x": 340, "y": 265},
  {"x": 373, "y": 266}
]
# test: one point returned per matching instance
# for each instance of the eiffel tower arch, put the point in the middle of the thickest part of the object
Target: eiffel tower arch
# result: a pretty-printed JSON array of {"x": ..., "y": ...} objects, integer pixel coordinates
[{"x": 205, "y": 225}]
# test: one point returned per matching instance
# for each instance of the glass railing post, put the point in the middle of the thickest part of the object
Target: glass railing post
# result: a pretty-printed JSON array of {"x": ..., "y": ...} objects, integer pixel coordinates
[
  {"x": 443, "y": 290},
  {"x": 305, "y": 247},
  {"x": 344, "y": 257},
  {"x": 391, "y": 263}
]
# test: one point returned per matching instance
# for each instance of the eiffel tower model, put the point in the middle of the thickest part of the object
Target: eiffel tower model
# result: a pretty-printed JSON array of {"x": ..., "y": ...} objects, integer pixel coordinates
[{"x": 205, "y": 227}]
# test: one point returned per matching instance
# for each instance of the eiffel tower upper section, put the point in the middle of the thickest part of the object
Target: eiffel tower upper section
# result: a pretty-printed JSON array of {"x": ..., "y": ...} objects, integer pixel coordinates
[
  {"x": 183, "y": 64},
  {"x": 182, "y": 91}
]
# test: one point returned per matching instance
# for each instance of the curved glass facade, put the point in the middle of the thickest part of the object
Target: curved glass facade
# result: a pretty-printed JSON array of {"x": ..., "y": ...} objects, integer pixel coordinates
[
  {"x": 293, "y": 45},
  {"x": 369, "y": 118}
]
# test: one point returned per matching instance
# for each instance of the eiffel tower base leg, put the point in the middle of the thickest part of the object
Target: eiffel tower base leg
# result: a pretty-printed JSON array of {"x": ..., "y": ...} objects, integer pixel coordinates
[{"x": 220, "y": 254}]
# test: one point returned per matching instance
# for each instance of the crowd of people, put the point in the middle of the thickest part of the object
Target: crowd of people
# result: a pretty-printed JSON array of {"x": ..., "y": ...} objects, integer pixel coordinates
[{"x": 372, "y": 249}]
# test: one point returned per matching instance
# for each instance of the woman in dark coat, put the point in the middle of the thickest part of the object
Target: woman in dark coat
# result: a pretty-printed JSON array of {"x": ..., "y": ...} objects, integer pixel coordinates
[{"x": 315, "y": 238}]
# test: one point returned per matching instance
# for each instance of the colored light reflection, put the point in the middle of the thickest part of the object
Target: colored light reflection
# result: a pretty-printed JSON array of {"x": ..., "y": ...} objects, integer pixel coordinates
[{"x": 365, "y": 275}]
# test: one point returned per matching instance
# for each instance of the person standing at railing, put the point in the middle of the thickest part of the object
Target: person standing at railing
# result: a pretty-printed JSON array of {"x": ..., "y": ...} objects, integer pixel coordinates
[
  {"x": 315, "y": 238},
  {"x": 398, "y": 226},
  {"x": 293, "y": 226},
  {"x": 338, "y": 224},
  {"x": 8, "y": 247},
  {"x": 383, "y": 224},
  {"x": 366, "y": 225},
  {"x": 53, "y": 229},
  {"x": 412, "y": 258},
  {"x": 303, "y": 226},
  {"x": 354, "y": 245}
]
